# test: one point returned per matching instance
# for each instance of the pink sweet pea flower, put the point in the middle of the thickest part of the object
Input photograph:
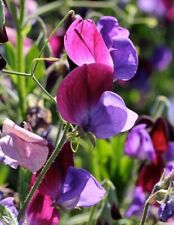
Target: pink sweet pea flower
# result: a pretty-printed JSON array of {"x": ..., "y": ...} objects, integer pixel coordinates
[
  {"x": 109, "y": 45},
  {"x": 22, "y": 147},
  {"x": 84, "y": 44}
]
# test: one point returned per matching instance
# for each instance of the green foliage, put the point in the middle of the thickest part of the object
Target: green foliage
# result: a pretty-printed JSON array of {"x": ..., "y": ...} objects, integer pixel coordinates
[
  {"x": 107, "y": 161},
  {"x": 40, "y": 69}
]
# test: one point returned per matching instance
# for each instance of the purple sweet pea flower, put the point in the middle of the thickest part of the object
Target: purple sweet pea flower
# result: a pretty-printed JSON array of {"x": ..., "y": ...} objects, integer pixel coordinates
[
  {"x": 139, "y": 144},
  {"x": 136, "y": 207},
  {"x": 112, "y": 47},
  {"x": 169, "y": 154},
  {"x": 80, "y": 189},
  {"x": 162, "y": 57},
  {"x": 167, "y": 209},
  {"x": 69, "y": 188},
  {"x": 155, "y": 7},
  {"x": 9, "y": 203},
  {"x": 22, "y": 147},
  {"x": 121, "y": 48},
  {"x": 84, "y": 98},
  {"x": 171, "y": 111}
]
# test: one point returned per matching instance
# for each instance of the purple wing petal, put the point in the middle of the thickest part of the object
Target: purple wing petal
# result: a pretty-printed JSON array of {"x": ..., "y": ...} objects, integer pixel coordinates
[
  {"x": 109, "y": 28},
  {"x": 7, "y": 160},
  {"x": 84, "y": 44},
  {"x": 10, "y": 204},
  {"x": 40, "y": 211},
  {"x": 30, "y": 155},
  {"x": 80, "y": 189},
  {"x": 125, "y": 59},
  {"x": 109, "y": 117},
  {"x": 131, "y": 118},
  {"x": 139, "y": 144},
  {"x": 81, "y": 90}
]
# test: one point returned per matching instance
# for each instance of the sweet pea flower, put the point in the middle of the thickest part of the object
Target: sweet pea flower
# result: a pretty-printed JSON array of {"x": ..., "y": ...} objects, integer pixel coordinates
[
  {"x": 137, "y": 204},
  {"x": 121, "y": 48},
  {"x": 22, "y": 147},
  {"x": 69, "y": 188},
  {"x": 155, "y": 7},
  {"x": 84, "y": 98},
  {"x": 167, "y": 209},
  {"x": 9, "y": 203},
  {"x": 139, "y": 143},
  {"x": 110, "y": 46},
  {"x": 162, "y": 57}
]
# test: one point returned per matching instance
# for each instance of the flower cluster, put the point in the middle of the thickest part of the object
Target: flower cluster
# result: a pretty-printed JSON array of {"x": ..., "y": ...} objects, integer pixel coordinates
[
  {"x": 151, "y": 142},
  {"x": 103, "y": 53}
]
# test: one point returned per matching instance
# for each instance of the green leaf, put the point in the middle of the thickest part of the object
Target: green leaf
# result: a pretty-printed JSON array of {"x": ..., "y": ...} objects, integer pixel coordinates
[
  {"x": 10, "y": 57},
  {"x": 40, "y": 70},
  {"x": 6, "y": 216},
  {"x": 4, "y": 173}
]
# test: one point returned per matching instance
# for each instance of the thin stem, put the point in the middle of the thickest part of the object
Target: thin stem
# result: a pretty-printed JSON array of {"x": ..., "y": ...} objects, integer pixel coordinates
[
  {"x": 144, "y": 215},
  {"x": 11, "y": 72},
  {"x": 71, "y": 12},
  {"x": 43, "y": 89},
  {"x": 34, "y": 79},
  {"x": 91, "y": 216},
  {"x": 43, "y": 173}
]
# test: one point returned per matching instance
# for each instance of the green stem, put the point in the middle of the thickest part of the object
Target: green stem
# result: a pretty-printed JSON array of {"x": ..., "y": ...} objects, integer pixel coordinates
[
  {"x": 70, "y": 13},
  {"x": 20, "y": 66},
  {"x": 144, "y": 215},
  {"x": 43, "y": 89},
  {"x": 91, "y": 216},
  {"x": 34, "y": 79},
  {"x": 43, "y": 172}
]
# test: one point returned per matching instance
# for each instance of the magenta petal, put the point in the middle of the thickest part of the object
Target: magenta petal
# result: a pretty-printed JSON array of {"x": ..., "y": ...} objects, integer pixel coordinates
[
  {"x": 110, "y": 116},
  {"x": 57, "y": 172},
  {"x": 80, "y": 189},
  {"x": 81, "y": 90},
  {"x": 85, "y": 45},
  {"x": 41, "y": 212},
  {"x": 125, "y": 59}
]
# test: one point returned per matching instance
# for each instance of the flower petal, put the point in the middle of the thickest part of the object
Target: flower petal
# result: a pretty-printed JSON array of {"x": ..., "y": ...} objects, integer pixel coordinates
[
  {"x": 109, "y": 28},
  {"x": 9, "y": 127},
  {"x": 40, "y": 211},
  {"x": 125, "y": 58},
  {"x": 27, "y": 154},
  {"x": 57, "y": 172},
  {"x": 139, "y": 144},
  {"x": 131, "y": 119},
  {"x": 7, "y": 160},
  {"x": 84, "y": 44},
  {"x": 80, "y": 189},
  {"x": 81, "y": 90},
  {"x": 109, "y": 116}
]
